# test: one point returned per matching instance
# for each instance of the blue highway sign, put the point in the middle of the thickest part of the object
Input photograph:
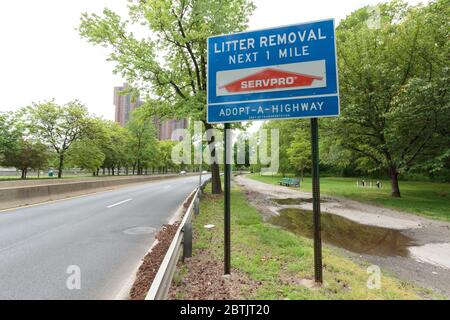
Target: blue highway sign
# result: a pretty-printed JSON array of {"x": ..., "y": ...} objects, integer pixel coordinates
[{"x": 279, "y": 73}]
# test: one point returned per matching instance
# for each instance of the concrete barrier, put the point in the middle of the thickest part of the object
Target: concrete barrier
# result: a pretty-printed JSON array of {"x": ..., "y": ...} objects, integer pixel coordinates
[{"x": 27, "y": 195}]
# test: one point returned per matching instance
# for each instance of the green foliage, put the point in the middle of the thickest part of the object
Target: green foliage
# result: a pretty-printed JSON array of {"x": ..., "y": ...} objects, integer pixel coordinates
[
  {"x": 85, "y": 154},
  {"x": 299, "y": 150},
  {"x": 294, "y": 145},
  {"x": 9, "y": 135},
  {"x": 57, "y": 126},
  {"x": 19, "y": 150},
  {"x": 27, "y": 155},
  {"x": 48, "y": 135},
  {"x": 179, "y": 30},
  {"x": 170, "y": 63},
  {"x": 165, "y": 155},
  {"x": 142, "y": 143},
  {"x": 394, "y": 86}
]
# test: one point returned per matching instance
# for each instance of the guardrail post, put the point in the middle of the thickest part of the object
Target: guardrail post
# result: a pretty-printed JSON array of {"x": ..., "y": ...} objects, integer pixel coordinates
[
  {"x": 187, "y": 240},
  {"x": 196, "y": 206}
]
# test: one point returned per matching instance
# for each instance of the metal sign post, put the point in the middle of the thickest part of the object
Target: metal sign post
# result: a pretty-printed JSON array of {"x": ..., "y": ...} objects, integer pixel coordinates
[
  {"x": 200, "y": 166},
  {"x": 274, "y": 74},
  {"x": 227, "y": 214},
  {"x": 316, "y": 200}
]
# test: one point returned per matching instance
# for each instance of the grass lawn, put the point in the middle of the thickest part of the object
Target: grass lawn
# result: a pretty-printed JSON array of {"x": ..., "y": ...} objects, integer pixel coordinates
[
  {"x": 429, "y": 199},
  {"x": 279, "y": 259}
]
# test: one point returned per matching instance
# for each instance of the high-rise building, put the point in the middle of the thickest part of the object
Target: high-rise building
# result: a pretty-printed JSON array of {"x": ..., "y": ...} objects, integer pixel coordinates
[
  {"x": 125, "y": 104},
  {"x": 166, "y": 128}
]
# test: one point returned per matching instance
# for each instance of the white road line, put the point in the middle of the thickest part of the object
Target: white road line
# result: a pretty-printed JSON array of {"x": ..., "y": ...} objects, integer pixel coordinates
[{"x": 118, "y": 203}]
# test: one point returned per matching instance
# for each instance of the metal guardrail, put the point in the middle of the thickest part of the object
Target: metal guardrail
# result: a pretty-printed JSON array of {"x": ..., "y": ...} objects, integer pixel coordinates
[{"x": 163, "y": 279}]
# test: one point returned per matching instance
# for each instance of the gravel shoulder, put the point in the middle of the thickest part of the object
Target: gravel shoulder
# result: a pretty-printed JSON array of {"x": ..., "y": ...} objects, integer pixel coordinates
[{"x": 428, "y": 262}]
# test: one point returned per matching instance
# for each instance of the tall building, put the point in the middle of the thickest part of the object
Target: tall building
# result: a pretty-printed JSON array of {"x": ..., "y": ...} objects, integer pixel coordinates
[
  {"x": 125, "y": 104},
  {"x": 166, "y": 128}
]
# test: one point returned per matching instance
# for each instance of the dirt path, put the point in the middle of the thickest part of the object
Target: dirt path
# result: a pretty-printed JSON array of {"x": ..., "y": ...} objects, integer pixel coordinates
[{"x": 428, "y": 260}]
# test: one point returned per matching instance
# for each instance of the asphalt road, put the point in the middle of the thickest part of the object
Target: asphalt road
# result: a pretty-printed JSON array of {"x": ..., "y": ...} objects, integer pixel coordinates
[{"x": 103, "y": 236}]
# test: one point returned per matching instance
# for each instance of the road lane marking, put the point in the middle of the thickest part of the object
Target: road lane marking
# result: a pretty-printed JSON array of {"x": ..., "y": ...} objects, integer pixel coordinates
[{"x": 118, "y": 203}]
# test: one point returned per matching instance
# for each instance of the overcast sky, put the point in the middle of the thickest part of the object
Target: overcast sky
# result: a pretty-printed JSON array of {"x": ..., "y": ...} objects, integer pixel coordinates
[{"x": 42, "y": 57}]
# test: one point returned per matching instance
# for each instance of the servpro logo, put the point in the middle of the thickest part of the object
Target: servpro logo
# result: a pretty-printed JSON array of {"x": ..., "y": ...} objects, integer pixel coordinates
[
  {"x": 268, "y": 83},
  {"x": 272, "y": 79}
]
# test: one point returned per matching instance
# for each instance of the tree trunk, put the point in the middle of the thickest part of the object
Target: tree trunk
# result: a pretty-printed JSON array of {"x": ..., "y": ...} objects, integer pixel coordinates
[
  {"x": 24, "y": 174},
  {"x": 61, "y": 164},
  {"x": 395, "y": 190},
  {"x": 216, "y": 185}
]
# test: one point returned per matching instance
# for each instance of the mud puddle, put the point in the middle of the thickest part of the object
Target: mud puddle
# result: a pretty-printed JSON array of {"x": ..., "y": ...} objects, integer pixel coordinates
[{"x": 345, "y": 233}]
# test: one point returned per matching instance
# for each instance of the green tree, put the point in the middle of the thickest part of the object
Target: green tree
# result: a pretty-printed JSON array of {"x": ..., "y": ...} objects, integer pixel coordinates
[
  {"x": 299, "y": 150},
  {"x": 394, "y": 84},
  {"x": 58, "y": 126},
  {"x": 27, "y": 155},
  {"x": 142, "y": 143},
  {"x": 286, "y": 135},
  {"x": 86, "y": 154},
  {"x": 165, "y": 155},
  {"x": 115, "y": 147},
  {"x": 9, "y": 135},
  {"x": 171, "y": 63}
]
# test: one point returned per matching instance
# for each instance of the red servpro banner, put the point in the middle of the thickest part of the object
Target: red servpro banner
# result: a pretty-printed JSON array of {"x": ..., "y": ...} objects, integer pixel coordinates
[{"x": 284, "y": 77}]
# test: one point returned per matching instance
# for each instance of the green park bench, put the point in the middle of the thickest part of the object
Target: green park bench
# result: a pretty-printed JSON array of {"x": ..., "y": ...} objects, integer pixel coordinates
[{"x": 290, "y": 182}]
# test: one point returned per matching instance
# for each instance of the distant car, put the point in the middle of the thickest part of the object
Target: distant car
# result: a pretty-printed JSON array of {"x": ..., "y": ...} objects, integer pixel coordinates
[
  {"x": 204, "y": 171},
  {"x": 183, "y": 172}
]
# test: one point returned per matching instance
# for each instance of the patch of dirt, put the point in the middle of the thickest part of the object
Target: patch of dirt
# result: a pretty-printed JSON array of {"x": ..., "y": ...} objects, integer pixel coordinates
[
  {"x": 202, "y": 279},
  {"x": 187, "y": 202},
  {"x": 151, "y": 262}
]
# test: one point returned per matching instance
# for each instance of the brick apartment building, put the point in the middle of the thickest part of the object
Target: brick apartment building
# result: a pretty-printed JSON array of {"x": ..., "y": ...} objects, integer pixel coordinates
[{"x": 125, "y": 105}]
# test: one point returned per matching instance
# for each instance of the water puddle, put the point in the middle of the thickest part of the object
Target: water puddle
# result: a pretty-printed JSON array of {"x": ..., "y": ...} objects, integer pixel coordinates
[{"x": 346, "y": 233}]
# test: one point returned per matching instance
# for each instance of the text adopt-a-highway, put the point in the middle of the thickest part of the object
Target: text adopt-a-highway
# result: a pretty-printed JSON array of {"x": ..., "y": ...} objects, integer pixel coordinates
[{"x": 280, "y": 73}]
